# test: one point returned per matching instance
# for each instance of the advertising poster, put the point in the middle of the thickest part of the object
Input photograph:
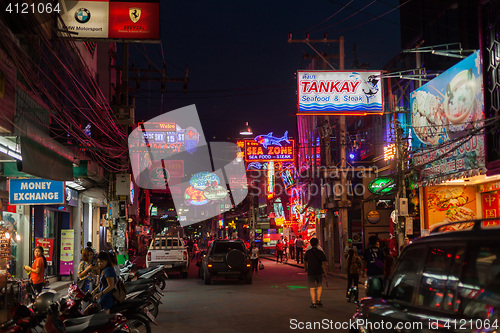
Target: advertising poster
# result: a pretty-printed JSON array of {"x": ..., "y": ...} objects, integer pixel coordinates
[
  {"x": 447, "y": 116},
  {"x": 67, "y": 250},
  {"x": 445, "y": 204},
  {"x": 339, "y": 92},
  {"x": 491, "y": 207},
  {"x": 48, "y": 248}
]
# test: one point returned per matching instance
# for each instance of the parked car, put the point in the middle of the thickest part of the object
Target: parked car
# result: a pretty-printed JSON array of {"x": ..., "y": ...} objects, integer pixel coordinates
[
  {"x": 168, "y": 251},
  {"x": 228, "y": 259},
  {"x": 448, "y": 281}
]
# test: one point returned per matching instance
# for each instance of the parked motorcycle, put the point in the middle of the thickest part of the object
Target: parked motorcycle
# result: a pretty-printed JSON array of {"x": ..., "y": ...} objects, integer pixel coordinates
[
  {"x": 158, "y": 273},
  {"x": 136, "y": 311}
]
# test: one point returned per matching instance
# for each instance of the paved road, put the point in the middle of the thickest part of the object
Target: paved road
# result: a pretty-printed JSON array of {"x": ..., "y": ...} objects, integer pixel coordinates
[{"x": 277, "y": 301}]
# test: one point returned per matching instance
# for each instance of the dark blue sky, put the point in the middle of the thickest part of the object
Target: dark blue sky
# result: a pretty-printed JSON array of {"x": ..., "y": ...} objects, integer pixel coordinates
[{"x": 241, "y": 66}]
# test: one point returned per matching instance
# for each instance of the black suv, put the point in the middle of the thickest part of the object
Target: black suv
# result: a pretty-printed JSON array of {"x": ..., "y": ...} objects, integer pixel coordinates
[
  {"x": 448, "y": 281},
  {"x": 226, "y": 258}
]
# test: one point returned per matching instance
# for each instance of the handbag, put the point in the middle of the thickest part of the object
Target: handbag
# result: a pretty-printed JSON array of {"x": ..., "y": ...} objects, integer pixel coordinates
[{"x": 261, "y": 265}]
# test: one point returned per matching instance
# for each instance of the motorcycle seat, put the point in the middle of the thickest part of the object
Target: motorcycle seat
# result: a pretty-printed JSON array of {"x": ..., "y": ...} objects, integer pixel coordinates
[
  {"x": 138, "y": 287},
  {"x": 127, "y": 305},
  {"x": 145, "y": 270},
  {"x": 88, "y": 323}
]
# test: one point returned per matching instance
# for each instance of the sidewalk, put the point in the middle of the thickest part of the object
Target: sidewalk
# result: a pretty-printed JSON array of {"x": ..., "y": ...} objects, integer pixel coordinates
[{"x": 293, "y": 262}]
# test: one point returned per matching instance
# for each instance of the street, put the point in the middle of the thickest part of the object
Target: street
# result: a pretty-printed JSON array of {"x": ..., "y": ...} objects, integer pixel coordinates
[{"x": 277, "y": 301}]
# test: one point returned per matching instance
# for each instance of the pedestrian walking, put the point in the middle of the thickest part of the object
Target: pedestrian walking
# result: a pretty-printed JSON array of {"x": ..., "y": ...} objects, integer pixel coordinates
[
  {"x": 285, "y": 249},
  {"x": 347, "y": 248},
  {"x": 291, "y": 248},
  {"x": 299, "y": 248},
  {"x": 254, "y": 258},
  {"x": 374, "y": 258},
  {"x": 315, "y": 265},
  {"x": 279, "y": 251},
  {"x": 354, "y": 268}
]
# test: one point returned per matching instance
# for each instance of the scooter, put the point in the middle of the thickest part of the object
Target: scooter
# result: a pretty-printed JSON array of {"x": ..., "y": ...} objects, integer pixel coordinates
[
  {"x": 136, "y": 311},
  {"x": 158, "y": 273}
]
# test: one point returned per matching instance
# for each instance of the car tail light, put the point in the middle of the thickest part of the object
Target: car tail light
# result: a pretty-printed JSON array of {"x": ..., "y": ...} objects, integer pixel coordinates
[
  {"x": 185, "y": 255},
  {"x": 148, "y": 258},
  {"x": 210, "y": 263},
  {"x": 249, "y": 264}
]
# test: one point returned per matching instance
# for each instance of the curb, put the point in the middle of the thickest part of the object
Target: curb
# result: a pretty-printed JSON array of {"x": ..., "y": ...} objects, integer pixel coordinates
[{"x": 334, "y": 274}]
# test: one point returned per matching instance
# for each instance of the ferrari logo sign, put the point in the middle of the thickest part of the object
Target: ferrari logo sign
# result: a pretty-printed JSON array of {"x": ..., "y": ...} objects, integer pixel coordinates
[{"x": 135, "y": 14}]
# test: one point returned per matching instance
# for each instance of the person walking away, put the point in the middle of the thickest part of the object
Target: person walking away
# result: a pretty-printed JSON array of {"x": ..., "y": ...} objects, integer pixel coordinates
[
  {"x": 37, "y": 271},
  {"x": 104, "y": 292},
  {"x": 354, "y": 268},
  {"x": 374, "y": 258},
  {"x": 315, "y": 265},
  {"x": 254, "y": 258},
  {"x": 86, "y": 270},
  {"x": 196, "y": 251},
  {"x": 299, "y": 248},
  {"x": 291, "y": 248},
  {"x": 279, "y": 251}
]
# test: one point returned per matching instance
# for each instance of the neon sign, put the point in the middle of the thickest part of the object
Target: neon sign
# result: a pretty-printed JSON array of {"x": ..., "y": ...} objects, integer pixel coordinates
[
  {"x": 255, "y": 152},
  {"x": 382, "y": 185},
  {"x": 270, "y": 177}
]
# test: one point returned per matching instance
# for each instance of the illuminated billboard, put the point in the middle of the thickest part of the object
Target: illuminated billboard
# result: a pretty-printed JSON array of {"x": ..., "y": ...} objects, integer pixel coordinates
[
  {"x": 112, "y": 19},
  {"x": 339, "y": 92},
  {"x": 446, "y": 123},
  {"x": 268, "y": 147}
]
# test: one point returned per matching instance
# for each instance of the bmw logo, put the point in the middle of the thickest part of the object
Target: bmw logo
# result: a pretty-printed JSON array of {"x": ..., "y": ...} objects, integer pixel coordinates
[{"x": 82, "y": 15}]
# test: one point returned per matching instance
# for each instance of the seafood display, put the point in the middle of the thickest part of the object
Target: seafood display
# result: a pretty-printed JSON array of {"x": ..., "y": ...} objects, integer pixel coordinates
[
  {"x": 447, "y": 204},
  {"x": 447, "y": 198},
  {"x": 428, "y": 118}
]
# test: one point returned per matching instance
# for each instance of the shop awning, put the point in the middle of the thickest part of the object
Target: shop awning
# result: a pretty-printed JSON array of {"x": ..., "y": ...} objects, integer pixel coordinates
[{"x": 41, "y": 162}]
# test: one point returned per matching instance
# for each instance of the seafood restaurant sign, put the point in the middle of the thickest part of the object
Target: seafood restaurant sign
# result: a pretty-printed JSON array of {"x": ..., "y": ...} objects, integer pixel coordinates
[
  {"x": 447, "y": 116},
  {"x": 339, "y": 92}
]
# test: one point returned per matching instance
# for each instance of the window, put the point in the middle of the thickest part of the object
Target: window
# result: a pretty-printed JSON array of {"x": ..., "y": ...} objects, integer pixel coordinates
[
  {"x": 438, "y": 286},
  {"x": 479, "y": 286},
  {"x": 224, "y": 247},
  {"x": 404, "y": 280}
]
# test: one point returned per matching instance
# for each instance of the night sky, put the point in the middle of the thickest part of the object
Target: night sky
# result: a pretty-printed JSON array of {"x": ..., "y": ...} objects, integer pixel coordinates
[{"x": 241, "y": 66}]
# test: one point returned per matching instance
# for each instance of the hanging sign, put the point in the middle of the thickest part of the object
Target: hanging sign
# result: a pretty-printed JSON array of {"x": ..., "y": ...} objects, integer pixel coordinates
[
  {"x": 35, "y": 192},
  {"x": 382, "y": 185},
  {"x": 339, "y": 92},
  {"x": 268, "y": 147}
]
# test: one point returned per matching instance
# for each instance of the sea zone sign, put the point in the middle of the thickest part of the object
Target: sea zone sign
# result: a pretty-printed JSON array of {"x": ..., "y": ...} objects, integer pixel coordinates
[
  {"x": 255, "y": 152},
  {"x": 339, "y": 92},
  {"x": 35, "y": 192}
]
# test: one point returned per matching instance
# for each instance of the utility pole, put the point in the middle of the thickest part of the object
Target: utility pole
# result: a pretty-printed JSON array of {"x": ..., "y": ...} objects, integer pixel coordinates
[{"x": 343, "y": 212}]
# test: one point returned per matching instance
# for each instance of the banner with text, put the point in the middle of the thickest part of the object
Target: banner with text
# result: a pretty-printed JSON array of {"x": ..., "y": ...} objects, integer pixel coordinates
[{"x": 339, "y": 92}]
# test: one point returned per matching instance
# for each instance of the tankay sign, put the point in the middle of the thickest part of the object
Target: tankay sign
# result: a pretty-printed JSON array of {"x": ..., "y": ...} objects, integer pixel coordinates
[
  {"x": 35, "y": 192},
  {"x": 339, "y": 92}
]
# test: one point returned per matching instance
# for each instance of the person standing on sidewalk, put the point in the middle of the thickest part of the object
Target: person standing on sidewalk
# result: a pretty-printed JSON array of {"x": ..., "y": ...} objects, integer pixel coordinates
[
  {"x": 279, "y": 251},
  {"x": 291, "y": 248},
  {"x": 374, "y": 258},
  {"x": 354, "y": 268},
  {"x": 315, "y": 265},
  {"x": 254, "y": 258},
  {"x": 299, "y": 247}
]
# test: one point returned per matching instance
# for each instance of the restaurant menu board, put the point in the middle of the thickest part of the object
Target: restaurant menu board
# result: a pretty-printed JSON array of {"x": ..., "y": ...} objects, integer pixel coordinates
[
  {"x": 445, "y": 204},
  {"x": 446, "y": 120}
]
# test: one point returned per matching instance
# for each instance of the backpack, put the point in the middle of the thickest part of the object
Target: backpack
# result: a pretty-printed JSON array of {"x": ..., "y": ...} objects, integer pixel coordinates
[
  {"x": 355, "y": 268},
  {"x": 120, "y": 292}
]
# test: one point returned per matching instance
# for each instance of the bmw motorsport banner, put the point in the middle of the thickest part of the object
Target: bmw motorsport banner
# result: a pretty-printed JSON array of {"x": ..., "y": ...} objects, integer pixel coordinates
[{"x": 138, "y": 20}]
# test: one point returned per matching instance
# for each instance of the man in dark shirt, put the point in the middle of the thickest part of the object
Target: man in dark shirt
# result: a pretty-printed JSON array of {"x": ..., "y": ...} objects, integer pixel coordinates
[
  {"x": 315, "y": 264},
  {"x": 299, "y": 247},
  {"x": 374, "y": 258}
]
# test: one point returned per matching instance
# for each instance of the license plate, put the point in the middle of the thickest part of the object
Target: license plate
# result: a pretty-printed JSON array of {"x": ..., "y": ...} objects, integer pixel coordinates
[
  {"x": 156, "y": 297},
  {"x": 150, "y": 316}
]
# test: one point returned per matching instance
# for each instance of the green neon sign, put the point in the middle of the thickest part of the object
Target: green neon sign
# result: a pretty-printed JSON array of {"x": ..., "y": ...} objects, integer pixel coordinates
[{"x": 382, "y": 185}]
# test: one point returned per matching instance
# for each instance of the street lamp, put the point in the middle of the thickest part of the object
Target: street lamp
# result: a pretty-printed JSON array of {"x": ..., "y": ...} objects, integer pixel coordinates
[{"x": 246, "y": 130}]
